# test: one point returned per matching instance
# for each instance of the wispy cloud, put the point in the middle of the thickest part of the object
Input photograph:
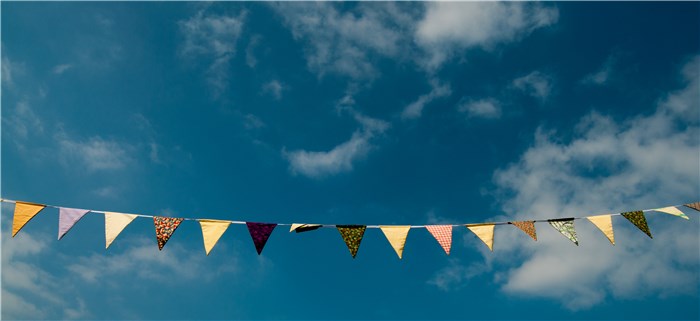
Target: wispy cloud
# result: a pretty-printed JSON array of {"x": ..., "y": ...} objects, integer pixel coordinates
[
  {"x": 319, "y": 164},
  {"x": 215, "y": 37},
  {"x": 449, "y": 27},
  {"x": 483, "y": 108},
  {"x": 275, "y": 88},
  {"x": 608, "y": 166},
  {"x": 250, "y": 59},
  {"x": 415, "y": 109},
  {"x": 22, "y": 122},
  {"x": 60, "y": 69},
  {"x": 10, "y": 69},
  {"x": 536, "y": 84},
  {"x": 93, "y": 154}
]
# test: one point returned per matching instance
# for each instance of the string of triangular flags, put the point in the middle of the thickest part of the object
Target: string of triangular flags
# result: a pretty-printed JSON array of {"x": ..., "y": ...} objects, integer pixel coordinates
[{"x": 352, "y": 235}]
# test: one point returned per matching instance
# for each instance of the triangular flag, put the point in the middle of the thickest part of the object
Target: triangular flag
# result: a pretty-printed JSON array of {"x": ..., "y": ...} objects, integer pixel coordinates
[
  {"x": 67, "y": 217},
  {"x": 212, "y": 230},
  {"x": 528, "y": 227},
  {"x": 695, "y": 206},
  {"x": 566, "y": 228},
  {"x": 23, "y": 213},
  {"x": 352, "y": 235},
  {"x": 443, "y": 234},
  {"x": 673, "y": 211},
  {"x": 296, "y": 227},
  {"x": 484, "y": 232},
  {"x": 115, "y": 224},
  {"x": 260, "y": 232},
  {"x": 396, "y": 234},
  {"x": 165, "y": 227},
  {"x": 604, "y": 224},
  {"x": 637, "y": 218}
]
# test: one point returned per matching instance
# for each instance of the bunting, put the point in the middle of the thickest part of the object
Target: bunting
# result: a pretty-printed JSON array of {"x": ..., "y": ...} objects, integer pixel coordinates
[
  {"x": 299, "y": 228},
  {"x": 484, "y": 232},
  {"x": 566, "y": 228},
  {"x": 260, "y": 232},
  {"x": 604, "y": 224},
  {"x": 67, "y": 217},
  {"x": 115, "y": 224},
  {"x": 528, "y": 227},
  {"x": 165, "y": 227},
  {"x": 695, "y": 206},
  {"x": 23, "y": 213},
  {"x": 637, "y": 218},
  {"x": 212, "y": 230},
  {"x": 352, "y": 235},
  {"x": 396, "y": 235},
  {"x": 673, "y": 211},
  {"x": 443, "y": 234}
]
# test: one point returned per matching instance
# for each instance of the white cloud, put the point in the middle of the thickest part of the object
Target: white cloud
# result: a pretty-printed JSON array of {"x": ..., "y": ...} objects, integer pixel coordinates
[
  {"x": 535, "y": 84},
  {"x": 60, "y": 69},
  {"x": 253, "y": 122},
  {"x": 483, "y": 108},
  {"x": 94, "y": 154},
  {"x": 214, "y": 37},
  {"x": 341, "y": 42},
  {"x": 9, "y": 68},
  {"x": 415, "y": 109},
  {"x": 250, "y": 58},
  {"x": 608, "y": 166},
  {"x": 318, "y": 164},
  {"x": 274, "y": 87},
  {"x": 22, "y": 122},
  {"x": 451, "y": 26}
]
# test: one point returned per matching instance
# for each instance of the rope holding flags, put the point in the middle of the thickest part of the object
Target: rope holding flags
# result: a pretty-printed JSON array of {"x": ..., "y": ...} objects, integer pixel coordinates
[{"x": 352, "y": 235}]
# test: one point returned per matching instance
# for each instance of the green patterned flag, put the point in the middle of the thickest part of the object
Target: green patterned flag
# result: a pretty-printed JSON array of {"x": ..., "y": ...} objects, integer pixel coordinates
[
  {"x": 352, "y": 235},
  {"x": 637, "y": 218},
  {"x": 565, "y": 226}
]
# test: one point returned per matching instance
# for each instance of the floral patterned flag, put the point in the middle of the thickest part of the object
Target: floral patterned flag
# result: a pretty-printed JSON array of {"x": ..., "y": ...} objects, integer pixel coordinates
[
  {"x": 604, "y": 224},
  {"x": 260, "y": 232},
  {"x": 115, "y": 224},
  {"x": 695, "y": 206},
  {"x": 443, "y": 234},
  {"x": 296, "y": 227},
  {"x": 484, "y": 232},
  {"x": 165, "y": 227},
  {"x": 637, "y": 218},
  {"x": 565, "y": 227},
  {"x": 212, "y": 230},
  {"x": 673, "y": 211},
  {"x": 352, "y": 235},
  {"x": 396, "y": 234},
  {"x": 528, "y": 227},
  {"x": 67, "y": 217},
  {"x": 23, "y": 213}
]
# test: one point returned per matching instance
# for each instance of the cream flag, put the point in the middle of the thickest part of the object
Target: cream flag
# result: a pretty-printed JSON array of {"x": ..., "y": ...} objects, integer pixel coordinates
[
  {"x": 484, "y": 232},
  {"x": 396, "y": 234},
  {"x": 115, "y": 224},
  {"x": 212, "y": 230},
  {"x": 673, "y": 211},
  {"x": 604, "y": 224},
  {"x": 23, "y": 213},
  {"x": 299, "y": 227}
]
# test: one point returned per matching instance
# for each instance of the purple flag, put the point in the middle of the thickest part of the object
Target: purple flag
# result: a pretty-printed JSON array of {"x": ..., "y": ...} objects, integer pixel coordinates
[
  {"x": 67, "y": 217},
  {"x": 260, "y": 232}
]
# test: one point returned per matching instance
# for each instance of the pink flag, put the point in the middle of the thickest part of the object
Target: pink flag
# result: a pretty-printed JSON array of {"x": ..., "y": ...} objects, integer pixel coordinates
[
  {"x": 67, "y": 217},
  {"x": 443, "y": 234}
]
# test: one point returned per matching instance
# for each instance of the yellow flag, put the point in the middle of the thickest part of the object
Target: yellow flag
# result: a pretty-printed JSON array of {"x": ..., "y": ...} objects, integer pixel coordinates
[
  {"x": 396, "y": 234},
  {"x": 115, "y": 224},
  {"x": 23, "y": 213},
  {"x": 673, "y": 211},
  {"x": 212, "y": 230},
  {"x": 484, "y": 232},
  {"x": 604, "y": 224}
]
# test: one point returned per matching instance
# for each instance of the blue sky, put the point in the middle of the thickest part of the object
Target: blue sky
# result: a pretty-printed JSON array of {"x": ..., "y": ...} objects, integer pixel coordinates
[{"x": 351, "y": 113}]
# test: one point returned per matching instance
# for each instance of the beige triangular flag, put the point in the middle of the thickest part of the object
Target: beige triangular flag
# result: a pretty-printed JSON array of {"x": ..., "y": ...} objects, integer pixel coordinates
[
  {"x": 115, "y": 224},
  {"x": 484, "y": 232},
  {"x": 299, "y": 227},
  {"x": 396, "y": 234},
  {"x": 673, "y": 211},
  {"x": 212, "y": 230},
  {"x": 23, "y": 213},
  {"x": 604, "y": 224}
]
